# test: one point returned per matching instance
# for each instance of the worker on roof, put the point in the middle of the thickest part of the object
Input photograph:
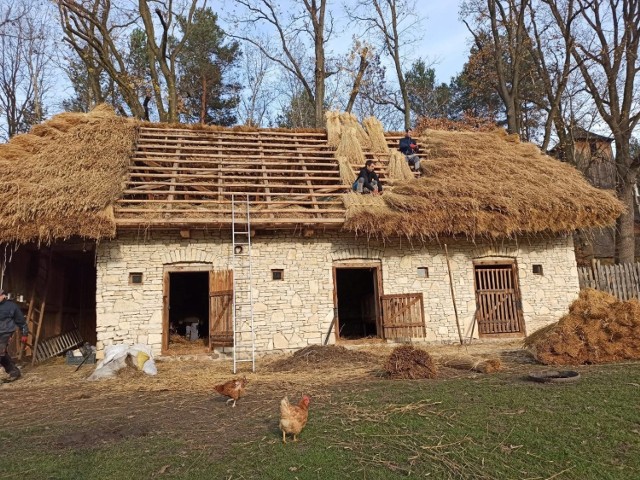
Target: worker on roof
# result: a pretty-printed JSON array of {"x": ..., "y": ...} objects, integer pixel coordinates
[
  {"x": 10, "y": 318},
  {"x": 368, "y": 180},
  {"x": 409, "y": 147}
]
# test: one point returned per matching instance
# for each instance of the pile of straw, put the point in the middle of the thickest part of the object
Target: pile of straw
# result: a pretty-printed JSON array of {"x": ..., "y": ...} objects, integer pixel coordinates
[
  {"x": 317, "y": 356},
  {"x": 489, "y": 365},
  {"x": 407, "y": 361},
  {"x": 62, "y": 178},
  {"x": 598, "y": 329},
  {"x": 484, "y": 185}
]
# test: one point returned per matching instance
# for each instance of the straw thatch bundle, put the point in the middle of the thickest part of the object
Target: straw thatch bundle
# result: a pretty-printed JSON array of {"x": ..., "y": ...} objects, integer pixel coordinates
[
  {"x": 598, "y": 329},
  {"x": 377, "y": 141},
  {"x": 489, "y": 365},
  {"x": 398, "y": 167},
  {"x": 483, "y": 185},
  {"x": 350, "y": 147},
  {"x": 347, "y": 175},
  {"x": 334, "y": 128},
  {"x": 407, "y": 361},
  {"x": 61, "y": 179},
  {"x": 349, "y": 121}
]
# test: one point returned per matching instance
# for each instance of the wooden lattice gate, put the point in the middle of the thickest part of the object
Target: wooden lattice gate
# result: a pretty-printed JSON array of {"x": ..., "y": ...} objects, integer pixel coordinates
[
  {"x": 499, "y": 309},
  {"x": 403, "y": 316}
]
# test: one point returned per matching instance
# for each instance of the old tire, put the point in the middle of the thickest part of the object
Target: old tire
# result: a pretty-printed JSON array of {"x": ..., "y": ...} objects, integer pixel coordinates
[{"x": 555, "y": 376}]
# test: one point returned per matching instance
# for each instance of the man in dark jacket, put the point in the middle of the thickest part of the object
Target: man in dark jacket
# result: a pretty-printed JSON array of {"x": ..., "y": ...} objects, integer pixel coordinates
[
  {"x": 409, "y": 148},
  {"x": 10, "y": 318},
  {"x": 368, "y": 180}
]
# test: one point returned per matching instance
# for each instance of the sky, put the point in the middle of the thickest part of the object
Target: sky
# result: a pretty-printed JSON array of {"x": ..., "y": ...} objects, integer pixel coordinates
[{"x": 445, "y": 39}]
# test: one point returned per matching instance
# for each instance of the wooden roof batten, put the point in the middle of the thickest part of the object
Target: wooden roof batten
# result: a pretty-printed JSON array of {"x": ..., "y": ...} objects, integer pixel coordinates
[{"x": 181, "y": 178}]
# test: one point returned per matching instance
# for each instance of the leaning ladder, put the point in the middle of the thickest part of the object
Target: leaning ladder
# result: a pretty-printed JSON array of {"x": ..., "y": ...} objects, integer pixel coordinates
[{"x": 244, "y": 339}]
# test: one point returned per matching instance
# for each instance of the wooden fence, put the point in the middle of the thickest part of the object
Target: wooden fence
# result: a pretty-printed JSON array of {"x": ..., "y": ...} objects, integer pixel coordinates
[{"x": 622, "y": 281}]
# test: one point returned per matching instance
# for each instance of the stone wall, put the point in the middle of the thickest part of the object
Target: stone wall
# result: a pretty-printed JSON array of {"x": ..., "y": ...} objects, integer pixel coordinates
[{"x": 297, "y": 311}]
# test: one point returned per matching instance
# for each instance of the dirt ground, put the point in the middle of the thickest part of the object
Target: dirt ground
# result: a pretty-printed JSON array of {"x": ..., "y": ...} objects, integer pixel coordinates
[{"x": 67, "y": 411}]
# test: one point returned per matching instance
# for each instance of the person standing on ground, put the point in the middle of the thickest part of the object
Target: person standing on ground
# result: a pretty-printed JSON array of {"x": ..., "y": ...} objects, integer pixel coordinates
[
  {"x": 10, "y": 317},
  {"x": 368, "y": 180},
  {"x": 409, "y": 148}
]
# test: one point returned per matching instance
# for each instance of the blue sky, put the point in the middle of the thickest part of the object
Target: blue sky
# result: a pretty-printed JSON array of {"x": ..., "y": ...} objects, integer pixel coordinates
[{"x": 446, "y": 39}]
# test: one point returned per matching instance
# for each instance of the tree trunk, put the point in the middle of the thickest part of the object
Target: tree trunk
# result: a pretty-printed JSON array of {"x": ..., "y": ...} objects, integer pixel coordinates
[
  {"x": 625, "y": 238},
  {"x": 203, "y": 100}
]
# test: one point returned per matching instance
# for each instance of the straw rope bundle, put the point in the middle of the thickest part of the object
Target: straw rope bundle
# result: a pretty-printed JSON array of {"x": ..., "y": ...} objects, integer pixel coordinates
[
  {"x": 598, "y": 329},
  {"x": 489, "y": 365},
  {"x": 377, "y": 141},
  {"x": 62, "y": 178},
  {"x": 398, "y": 167},
  {"x": 350, "y": 147}
]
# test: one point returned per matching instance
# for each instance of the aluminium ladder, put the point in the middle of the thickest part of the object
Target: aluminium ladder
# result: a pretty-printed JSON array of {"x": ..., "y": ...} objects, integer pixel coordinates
[{"x": 244, "y": 339}]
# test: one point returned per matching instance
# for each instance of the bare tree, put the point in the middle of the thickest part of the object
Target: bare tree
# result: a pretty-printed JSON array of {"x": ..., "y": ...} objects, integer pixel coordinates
[
  {"x": 254, "y": 104},
  {"x": 25, "y": 57},
  {"x": 394, "y": 24},
  {"x": 291, "y": 29},
  {"x": 605, "y": 49},
  {"x": 97, "y": 31}
]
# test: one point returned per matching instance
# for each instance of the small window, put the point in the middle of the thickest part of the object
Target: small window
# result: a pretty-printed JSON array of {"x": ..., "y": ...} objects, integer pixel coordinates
[
  {"x": 423, "y": 272},
  {"x": 277, "y": 274},
  {"x": 135, "y": 278},
  {"x": 537, "y": 269}
]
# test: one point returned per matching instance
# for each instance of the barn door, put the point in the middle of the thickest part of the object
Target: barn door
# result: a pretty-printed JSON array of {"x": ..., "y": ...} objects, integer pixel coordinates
[
  {"x": 403, "y": 316},
  {"x": 220, "y": 308},
  {"x": 498, "y": 300}
]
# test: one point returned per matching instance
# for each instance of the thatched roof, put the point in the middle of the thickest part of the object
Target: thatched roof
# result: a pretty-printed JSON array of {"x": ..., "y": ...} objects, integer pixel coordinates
[
  {"x": 478, "y": 184},
  {"x": 90, "y": 174},
  {"x": 62, "y": 179}
]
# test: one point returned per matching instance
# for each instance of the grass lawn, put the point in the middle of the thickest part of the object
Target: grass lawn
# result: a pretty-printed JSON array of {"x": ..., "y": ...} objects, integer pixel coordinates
[{"x": 477, "y": 426}]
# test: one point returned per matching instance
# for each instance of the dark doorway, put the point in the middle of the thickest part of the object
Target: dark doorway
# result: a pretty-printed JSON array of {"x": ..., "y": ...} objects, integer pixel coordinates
[
  {"x": 188, "y": 309},
  {"x": 356, "y": 294}
]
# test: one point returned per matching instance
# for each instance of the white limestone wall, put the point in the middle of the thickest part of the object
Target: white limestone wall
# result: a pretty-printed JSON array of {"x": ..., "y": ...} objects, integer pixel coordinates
[{"x": 297, "y": 311}]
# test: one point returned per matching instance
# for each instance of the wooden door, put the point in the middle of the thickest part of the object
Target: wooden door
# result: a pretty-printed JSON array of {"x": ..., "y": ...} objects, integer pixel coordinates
[
  {"x": 403, "y": 316},
  {"x": 499, "y": 310},
  {"x": 165, "y": 310},
  {"x": 220, "y": 308}
]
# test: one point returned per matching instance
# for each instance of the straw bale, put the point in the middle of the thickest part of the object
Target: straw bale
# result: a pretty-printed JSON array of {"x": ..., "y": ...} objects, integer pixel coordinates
[
  {"x": 598, "y": 329},
  {"x": 350, "y": 147},
  {"x": 377, "y": 141},
  {"x": 68, "y": 181},
  {"x": 398, "y": 167},
  {"x": 488, "y": 365},
  {"x": 480, "y": 185},
  {"x": 334, "y": 128},
  {"x": 407, "y": 361}
]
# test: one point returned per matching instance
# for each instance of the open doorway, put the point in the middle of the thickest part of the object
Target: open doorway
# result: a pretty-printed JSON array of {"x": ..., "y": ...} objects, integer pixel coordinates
[
  {"x": 357, "y": 302},
  {"x": 188, "y": 305}
]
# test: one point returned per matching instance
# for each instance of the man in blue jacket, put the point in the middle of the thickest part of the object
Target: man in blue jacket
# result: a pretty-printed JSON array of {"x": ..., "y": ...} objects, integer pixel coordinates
[
  {"x": 10, "y": 318},
  {"x": 409, "y": 148}
]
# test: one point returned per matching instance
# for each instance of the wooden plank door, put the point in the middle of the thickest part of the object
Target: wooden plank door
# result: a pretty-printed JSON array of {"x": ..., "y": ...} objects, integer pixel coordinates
[
  {"x": 166, "y": 288},
  {"x": 498, "y": 300},
  {"x": 220, "y": 308},
  {"x": 403, "y": 316}
]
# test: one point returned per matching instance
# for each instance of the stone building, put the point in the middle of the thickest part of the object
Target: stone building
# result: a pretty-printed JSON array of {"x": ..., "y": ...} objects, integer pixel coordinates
[{"x": 216, "y": 240}]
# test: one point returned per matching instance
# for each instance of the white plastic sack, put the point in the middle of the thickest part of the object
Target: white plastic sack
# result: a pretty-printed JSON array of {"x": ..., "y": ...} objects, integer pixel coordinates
[{"x": 115, "y": 357}]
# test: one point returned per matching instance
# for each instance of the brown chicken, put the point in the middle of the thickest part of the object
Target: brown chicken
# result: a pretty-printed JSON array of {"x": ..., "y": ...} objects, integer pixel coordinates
[
  {"x": 293, "y": 418},
  {"x": 234, "y": 389}
]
